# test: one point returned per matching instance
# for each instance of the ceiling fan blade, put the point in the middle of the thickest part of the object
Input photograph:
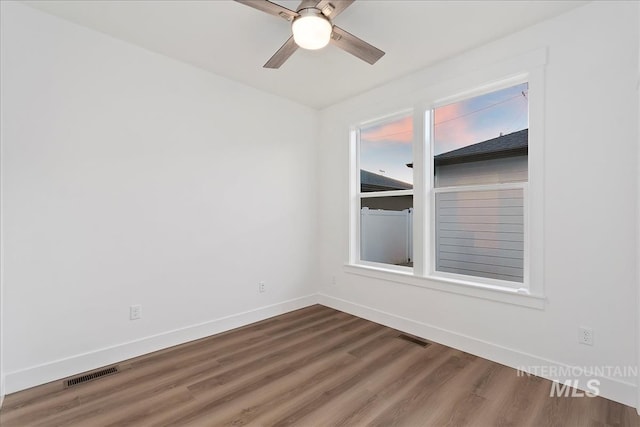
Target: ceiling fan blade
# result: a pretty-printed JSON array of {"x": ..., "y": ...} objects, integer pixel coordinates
[
  {"x": 333, "y": 8},
  {"x": 355, "y": 46},
  {"x": 282, "y": 54},
  {"x": 270, "y": 8}
]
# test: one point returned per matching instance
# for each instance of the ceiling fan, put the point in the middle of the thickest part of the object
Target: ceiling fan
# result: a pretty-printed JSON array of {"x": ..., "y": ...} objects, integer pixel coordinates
[{"x": 312, "y": 29}]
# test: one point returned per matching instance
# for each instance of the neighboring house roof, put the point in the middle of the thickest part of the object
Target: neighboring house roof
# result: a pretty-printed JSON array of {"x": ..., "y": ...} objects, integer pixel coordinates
[
  {"x": 370, "y": 181},
  {"x": 513, "y": 144}
]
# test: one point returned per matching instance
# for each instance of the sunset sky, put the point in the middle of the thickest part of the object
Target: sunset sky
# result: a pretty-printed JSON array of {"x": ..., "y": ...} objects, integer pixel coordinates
[{"x": 385, "y": 148}]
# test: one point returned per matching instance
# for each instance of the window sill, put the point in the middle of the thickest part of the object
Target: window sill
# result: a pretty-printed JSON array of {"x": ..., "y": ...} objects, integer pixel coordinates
[{"x": 460, "y": 287}]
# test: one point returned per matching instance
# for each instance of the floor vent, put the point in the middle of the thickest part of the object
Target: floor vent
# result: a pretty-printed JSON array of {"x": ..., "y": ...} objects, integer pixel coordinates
[
  {"x": 413, "y": 340},
  {"x": 91, "y": 376}
]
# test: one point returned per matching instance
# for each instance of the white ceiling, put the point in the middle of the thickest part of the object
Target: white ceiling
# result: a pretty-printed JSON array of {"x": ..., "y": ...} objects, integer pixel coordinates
[{"x": 233, "y": 40}]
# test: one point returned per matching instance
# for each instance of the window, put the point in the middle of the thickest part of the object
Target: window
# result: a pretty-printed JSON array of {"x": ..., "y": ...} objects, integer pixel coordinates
[
  {"x": 464, "y": 224},
  {"x": 385, "y": 191},
  {"x": 471, "y": 211},
  {"x": 480, "y": 173}
]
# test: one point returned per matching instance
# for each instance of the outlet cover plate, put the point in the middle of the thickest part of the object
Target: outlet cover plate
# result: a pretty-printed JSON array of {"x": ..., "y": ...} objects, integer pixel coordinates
[
  {"x": 135, "y": 312},
  {"x": 585, "y": 335}
]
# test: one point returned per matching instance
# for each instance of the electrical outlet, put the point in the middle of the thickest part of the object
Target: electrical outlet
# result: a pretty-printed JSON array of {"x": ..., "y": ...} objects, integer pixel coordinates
[
  {"x": 261, "y": 287},
  {"x": 135, "y": 312},
  {"x": 333, "y": 280},
  {"x": 585, "y": 336}
]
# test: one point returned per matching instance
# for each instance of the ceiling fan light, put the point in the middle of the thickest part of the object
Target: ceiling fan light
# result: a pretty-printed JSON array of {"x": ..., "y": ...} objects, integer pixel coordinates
[{"x": 311, "y": 31}]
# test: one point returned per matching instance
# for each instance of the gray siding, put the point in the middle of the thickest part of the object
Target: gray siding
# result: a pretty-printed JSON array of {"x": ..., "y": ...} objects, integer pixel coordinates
[
  {"x": 481, "y": 233},
  {"x": 510, "y": 169}
]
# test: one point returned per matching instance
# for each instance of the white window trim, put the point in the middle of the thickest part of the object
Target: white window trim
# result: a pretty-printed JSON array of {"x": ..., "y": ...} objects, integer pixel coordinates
[
  {"x": 454, "y": 286},
  {"x": 357, "y": 195},
  {"x": 528, "y": 67}
]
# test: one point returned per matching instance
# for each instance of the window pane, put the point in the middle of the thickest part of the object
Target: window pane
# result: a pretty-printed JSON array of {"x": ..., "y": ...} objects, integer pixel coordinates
[
  {"x": 481, "y": 233},
  {"x": 483, "y": 140},
  {"x": 386, "y": 230},
  {"x": 386, "y": 155}
]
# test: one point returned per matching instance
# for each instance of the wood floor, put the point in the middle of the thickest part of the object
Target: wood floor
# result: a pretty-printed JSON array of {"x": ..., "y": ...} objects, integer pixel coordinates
[{"x": 311, "y": 367}]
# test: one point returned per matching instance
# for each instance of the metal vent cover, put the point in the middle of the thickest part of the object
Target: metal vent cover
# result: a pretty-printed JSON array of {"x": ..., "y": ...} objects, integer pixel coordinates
[
  {"x": 414, "y": 340},
  {"x": 91, "y": 376}
]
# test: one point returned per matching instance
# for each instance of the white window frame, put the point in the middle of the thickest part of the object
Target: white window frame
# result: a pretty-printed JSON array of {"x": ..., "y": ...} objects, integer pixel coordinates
[
  {"x": 528, "y": 67},
  {"x": 359, "y": 195},
  {"x": 432, "y": 191}
]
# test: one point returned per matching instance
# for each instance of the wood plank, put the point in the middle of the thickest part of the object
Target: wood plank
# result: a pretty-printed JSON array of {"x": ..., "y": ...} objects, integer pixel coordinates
[
  {"x": 481, "y": 195},
  {"x": 484, "y": 203},
  {"x": 479, "y": 268},
  {"x": 491, "y": 244},
  {"x": 480, "y": 251},
  {"x": 480, "y": 219},
  {"x": 489, "y": 260},
  {"x": 482, "y": 235},
  {"x": 498, "y": 211}
]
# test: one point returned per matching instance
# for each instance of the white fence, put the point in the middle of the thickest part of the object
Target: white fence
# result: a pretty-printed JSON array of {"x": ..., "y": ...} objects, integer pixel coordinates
[{"x": 386, "y": 236}]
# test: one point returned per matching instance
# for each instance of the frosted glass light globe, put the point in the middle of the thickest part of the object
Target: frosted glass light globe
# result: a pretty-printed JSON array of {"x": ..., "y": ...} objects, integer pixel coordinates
[{"x": 311, "y": 31}]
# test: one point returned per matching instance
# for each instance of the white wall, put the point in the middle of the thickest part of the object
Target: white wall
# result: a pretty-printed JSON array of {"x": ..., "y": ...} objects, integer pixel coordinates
[
  {"x": 590, "y": 193},
  {"x": 131, "y": 178}
]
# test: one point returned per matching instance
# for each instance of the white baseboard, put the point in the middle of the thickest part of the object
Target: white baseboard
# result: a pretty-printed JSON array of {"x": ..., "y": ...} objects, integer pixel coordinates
[
  {"x": 610, "y": 388},
  {"x": 1, "y": 390},
  {"x": 52, "y": 371}
]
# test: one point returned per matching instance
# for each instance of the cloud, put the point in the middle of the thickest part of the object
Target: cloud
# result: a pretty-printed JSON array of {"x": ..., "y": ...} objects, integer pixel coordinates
[
  {"x": 398, "y": 131},
  {"x": 458, "y": 124},
  {"x": 448, "y": 112},
  {"x": 452, "y": 129},
  {"x": 478, "y": 119}
]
